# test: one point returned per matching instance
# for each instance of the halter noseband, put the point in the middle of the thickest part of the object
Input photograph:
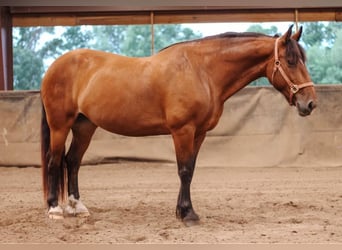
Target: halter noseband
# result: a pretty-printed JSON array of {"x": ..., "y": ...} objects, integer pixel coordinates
[{"x": 294, "y": 88}]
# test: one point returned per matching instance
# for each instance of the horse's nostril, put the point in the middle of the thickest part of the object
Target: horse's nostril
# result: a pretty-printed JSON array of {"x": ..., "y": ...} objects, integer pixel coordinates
[{"x": 311, "y": 105}]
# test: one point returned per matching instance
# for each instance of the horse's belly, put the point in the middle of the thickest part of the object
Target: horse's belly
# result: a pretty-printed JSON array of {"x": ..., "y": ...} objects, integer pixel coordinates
[{"x": 132, "y": 124}]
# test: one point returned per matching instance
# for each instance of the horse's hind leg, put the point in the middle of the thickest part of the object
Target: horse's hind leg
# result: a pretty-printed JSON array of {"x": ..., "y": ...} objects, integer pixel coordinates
[
  {"x": 56, "y": 172},
  {"x": 82, "y": 131}
]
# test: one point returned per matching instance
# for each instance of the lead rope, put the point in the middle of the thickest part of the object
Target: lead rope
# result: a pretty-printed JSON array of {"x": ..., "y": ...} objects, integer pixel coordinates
[{"x": 294, "y": 88}]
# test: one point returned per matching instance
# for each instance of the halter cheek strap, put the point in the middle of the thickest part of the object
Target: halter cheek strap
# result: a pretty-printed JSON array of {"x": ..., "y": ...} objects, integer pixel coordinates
[{"x": 294, "y": 88}]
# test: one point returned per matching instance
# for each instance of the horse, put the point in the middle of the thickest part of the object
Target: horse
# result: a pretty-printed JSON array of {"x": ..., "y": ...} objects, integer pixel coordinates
[{"x": 179, "y": 91}]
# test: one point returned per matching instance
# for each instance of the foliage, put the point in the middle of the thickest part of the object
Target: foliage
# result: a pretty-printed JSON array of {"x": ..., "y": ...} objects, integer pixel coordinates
[
  {"x": 27, "y": 63},
  {"x": 32, "y": 55},
  {"x": 109, "y": 38},
  {"x": 259, "y": 29},
  {"x": 28, "y": 69},
  {"x": 323, "y": 43},
  {"x": 33, "y": 52},
  {"x": 137, "y": 41}
]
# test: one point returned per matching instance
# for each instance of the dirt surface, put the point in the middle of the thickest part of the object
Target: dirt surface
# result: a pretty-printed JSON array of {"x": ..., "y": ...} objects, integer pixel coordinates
[{"x": 135, "y": 203}]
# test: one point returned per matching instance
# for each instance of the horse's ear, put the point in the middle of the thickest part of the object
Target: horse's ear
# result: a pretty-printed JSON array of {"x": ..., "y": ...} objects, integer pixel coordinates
[
  {"x": 287, "y": 36},
  {"x": 298, "y": 34}
]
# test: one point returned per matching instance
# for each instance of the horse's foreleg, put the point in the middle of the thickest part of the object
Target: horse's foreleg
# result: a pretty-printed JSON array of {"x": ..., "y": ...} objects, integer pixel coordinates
[
  {"x": 187, "y": 146},
  {"x": 83, "y": 131}
]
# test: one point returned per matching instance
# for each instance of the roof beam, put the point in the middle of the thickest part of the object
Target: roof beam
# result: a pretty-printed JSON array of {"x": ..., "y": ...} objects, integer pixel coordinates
[
  {"x": 64, "y": 16},
  {"x": 180, "y": 4}
]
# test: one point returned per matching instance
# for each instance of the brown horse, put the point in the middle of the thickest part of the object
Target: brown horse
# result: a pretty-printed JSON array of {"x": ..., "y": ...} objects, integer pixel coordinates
[{"x": 179, "y": 91}]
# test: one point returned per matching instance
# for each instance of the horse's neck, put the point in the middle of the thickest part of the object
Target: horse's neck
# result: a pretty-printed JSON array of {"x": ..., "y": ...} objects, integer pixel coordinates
[{"x": 235, "y": 65}]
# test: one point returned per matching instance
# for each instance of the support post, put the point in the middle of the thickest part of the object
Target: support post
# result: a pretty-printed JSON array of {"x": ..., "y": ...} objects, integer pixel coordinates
[
  {"x": 152, "y": 32},
  {"x": 6, "y": 49},
  {"x": 296, "y": 19}
]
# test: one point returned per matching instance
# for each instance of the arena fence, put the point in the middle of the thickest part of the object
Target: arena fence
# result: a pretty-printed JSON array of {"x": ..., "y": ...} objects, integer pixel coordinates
[{"x": 257, "y": 129}]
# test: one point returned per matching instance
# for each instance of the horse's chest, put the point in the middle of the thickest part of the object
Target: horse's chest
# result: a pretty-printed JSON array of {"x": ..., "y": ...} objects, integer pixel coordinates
[{"x": 213, "y": 117}]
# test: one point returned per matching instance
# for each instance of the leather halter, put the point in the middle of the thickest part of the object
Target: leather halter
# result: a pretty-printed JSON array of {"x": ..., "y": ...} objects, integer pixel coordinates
[{"x": 294, "y": 88}]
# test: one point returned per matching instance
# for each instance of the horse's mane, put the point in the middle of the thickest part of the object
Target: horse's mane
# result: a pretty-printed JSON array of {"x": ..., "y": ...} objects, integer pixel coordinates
[
  {"x": 220, "y": 36},
  {"x": 236, "y": 35},
  {"x": 292, "y": 53}
]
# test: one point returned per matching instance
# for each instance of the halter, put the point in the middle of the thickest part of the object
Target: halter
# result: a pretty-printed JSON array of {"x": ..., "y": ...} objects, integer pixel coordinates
[{"x": 294, "y": 88}]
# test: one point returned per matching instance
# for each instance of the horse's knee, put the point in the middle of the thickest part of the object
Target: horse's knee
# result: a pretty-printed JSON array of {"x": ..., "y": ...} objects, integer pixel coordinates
[{"x": 185, "y": 174}]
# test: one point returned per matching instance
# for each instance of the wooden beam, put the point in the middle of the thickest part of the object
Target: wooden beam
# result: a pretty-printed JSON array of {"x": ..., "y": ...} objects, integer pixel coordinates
[
  {"x": 6, "y": 50},
  {"x": 225, "y": 16},
  {"x": 69, "y": 18},
  {"x": 129, "y": 5},
  {"x": 116, "y": 19}
]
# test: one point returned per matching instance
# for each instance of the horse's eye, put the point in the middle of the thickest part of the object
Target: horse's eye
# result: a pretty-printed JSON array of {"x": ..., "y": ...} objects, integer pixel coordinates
[{"x": 291, "y": 62}]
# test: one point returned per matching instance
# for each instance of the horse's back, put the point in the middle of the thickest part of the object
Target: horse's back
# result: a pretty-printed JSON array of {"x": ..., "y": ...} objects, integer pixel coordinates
[{"x": 69, "y": 74}]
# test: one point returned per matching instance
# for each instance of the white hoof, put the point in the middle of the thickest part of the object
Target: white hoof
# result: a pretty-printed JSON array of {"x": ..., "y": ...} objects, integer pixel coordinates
[
  {"x": 76, "y": 208},
  {"x": 55, "y": 213}
]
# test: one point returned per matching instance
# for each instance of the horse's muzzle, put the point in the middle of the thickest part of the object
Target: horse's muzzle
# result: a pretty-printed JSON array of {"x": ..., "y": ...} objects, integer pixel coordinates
[{"x": 305, "y": 108}]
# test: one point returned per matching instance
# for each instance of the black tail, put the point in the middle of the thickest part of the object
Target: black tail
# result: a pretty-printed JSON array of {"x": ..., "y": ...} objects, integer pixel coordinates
[
  {"x": 45, "y": 145},
  {"x": 45, "y": 158}
]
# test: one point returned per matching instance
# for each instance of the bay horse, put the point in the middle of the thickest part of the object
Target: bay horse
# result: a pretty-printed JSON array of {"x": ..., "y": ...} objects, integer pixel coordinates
[{"x": 180, "y": 91}]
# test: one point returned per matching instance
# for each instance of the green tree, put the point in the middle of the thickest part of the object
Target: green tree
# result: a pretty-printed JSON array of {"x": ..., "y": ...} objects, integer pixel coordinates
[
  {"x": 76, "y": 37},
  {"x": 320, "y": 33},
  {"x": 167, "y": 34},
  {"x": 109, "y": 38},
  {"x": 33, "y": 52},
  {"x": 28, "y": 69},
  {"x": 29, "y": 38},
  {"x": 313, "y": 33},
  {"x": 137, "y": 41},
  {"x": 323, "y": 42},
  {"x": 259, "y": 29},
  {"x": 27, "y": 61}
]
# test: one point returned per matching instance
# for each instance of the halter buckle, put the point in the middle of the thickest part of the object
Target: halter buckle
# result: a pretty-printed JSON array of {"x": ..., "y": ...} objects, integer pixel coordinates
[{"x": 294, "y": 88}]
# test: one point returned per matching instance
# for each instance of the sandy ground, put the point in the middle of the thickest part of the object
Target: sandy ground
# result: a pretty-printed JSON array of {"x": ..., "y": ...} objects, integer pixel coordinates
[{"x": 135, "y": 203}]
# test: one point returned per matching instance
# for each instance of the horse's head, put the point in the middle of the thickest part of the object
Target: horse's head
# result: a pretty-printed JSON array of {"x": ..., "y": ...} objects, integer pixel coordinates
[{"x": 287, "y": 72}]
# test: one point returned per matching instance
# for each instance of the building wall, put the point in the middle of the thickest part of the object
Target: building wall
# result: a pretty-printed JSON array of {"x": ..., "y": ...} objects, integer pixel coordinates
[{"x": 257, "y": 129}]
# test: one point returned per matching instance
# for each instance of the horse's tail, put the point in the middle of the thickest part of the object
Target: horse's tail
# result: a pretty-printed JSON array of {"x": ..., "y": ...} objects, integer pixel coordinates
[
  {"x": 45, "y": 158},
  {"x": 45, "y": 145}
]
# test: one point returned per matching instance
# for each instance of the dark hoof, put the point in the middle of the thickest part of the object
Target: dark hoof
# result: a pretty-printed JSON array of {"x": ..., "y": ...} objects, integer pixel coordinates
[
  {"x": 188, "y": 216},
  {"x": 191, "y": 220}
]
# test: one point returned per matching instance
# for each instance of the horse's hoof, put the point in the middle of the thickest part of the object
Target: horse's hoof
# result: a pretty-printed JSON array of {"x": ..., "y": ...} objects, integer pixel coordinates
[
  {"x": 76, "y": 208},
  {"x": 69, "y": 211},
  {"x": 191, "y": 219},
  {"x": 55, "y": 213},
  {"x": 191, "y": 223},
  {"x": 74, "y": 212},
  {"x": 81, "y": 210}
]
